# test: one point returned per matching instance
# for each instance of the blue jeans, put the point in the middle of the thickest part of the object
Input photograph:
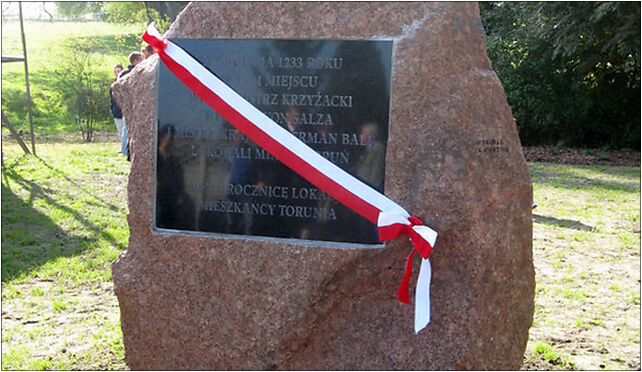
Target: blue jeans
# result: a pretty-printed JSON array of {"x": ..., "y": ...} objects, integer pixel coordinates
[{"x": 123, "y": 142}]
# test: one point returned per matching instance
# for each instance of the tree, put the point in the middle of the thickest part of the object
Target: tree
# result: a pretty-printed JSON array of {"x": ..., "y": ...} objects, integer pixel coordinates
[
  {"x": 126, "y": 12},
  {"x": 571, "y": 71},
  {"x": 44, "y": 9},
  {"x": 78, "y": 9},
  {"x": 84, "y": 90},
  {"x": 169, "y": 9},
  {"x": 162, "y": 12}
]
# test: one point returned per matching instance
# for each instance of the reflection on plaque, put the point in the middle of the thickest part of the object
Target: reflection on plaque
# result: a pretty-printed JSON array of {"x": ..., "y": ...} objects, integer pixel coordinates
[{"x": 332, "y": 95}]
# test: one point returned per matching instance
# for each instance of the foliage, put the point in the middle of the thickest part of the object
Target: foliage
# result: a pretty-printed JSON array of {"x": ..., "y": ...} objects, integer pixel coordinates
[
  {"x": 54, "y": 105},
  {"x": 126, "y": 12},
  {"x": 137, "y": 13},
  {"x": 171, "y": 9},
  {"x": 571, "y": 71},
  {"x": 45, "y": 40},
  {"x": 84, "y": 89},
  {"x": 548, "y": 353},
  {"x": 76, "y": 10}
]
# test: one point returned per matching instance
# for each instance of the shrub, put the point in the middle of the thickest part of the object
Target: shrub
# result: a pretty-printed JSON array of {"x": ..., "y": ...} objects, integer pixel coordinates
[
  {"x": 83, "y": 88},
  {"x": 571, "y": 71}
]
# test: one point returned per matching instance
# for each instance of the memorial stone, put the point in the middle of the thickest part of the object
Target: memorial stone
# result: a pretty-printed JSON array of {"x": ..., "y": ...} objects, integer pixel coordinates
[
  {"x": 209, "y": 284},
  {"x": 332, "y": 95}
]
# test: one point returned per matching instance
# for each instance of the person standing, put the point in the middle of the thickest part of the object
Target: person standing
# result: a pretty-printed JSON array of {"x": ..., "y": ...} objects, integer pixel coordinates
[
  {"x": 116, "y": 112},
  {"x": 134, "y": 59},
  {"x": 147, "y": 51}
]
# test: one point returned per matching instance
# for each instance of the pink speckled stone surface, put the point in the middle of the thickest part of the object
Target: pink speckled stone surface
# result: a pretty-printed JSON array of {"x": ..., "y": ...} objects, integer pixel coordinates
[{"x": 453, "y": 159}]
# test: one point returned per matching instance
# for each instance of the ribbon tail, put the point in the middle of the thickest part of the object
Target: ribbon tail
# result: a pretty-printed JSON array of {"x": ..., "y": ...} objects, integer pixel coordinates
[
  {"x": 402, "y": 293},
  {"x": 422, "y": 296},
  {"x": 392, "y": 220}
]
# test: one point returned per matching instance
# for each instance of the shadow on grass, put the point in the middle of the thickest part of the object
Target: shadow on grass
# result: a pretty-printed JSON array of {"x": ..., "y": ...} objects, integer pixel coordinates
[
  {"x": 569, "y": 224},
  {"x": 31, "y": 238},
  {"x": 18, "y": 160},
  {"x": 566, "y": 178},
  {"x": 122, "y": 44},
  {"x": 64, "y": 175}
]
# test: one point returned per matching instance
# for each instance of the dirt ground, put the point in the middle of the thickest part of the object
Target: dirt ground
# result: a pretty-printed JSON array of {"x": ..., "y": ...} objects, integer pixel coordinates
[
  {"x": 542, "y": 154},
  {"x": 70, "y": 337},
  {"x": 586, "y": 252},
  {"x": 578, "y": 291},
  {"x": 539, "y": 154}
]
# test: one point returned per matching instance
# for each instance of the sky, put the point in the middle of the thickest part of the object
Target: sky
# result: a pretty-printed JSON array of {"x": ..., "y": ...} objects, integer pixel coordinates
[{"x": 30, "y": 10}]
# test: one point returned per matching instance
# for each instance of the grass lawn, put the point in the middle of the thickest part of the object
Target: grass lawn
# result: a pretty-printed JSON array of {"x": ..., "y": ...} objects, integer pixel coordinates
[
  {"x": 47, "y": 58},
  {"x": 586, "y": 249},
  {"x": 64, "y": 222},
  {"x": 44, "y": 38}
]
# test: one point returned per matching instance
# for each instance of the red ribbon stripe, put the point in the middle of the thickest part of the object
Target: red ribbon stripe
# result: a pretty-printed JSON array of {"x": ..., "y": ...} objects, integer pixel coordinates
[{"x": 392, "y": 219}]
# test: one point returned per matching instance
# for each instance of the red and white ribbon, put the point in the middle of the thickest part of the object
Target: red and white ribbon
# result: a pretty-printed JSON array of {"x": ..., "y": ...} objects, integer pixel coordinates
[{"x": 392, "y": 220}]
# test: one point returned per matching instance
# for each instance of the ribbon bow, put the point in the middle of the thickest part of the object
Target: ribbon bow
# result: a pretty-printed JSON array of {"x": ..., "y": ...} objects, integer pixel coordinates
[
  {"x": 393, "y": 225},
  {"x": 392, "y": 220}
]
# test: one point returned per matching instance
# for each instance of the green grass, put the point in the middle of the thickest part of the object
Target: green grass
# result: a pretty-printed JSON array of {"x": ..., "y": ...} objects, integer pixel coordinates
[
  {"x": 63, "y": 223},
  {"x": 586, "y": 251},
  {"x": 45, "y": 38},
  {"x": 83, "y": 223},
  {"x": 551, "y": 356},
  {"x": 45, "y": 55}
]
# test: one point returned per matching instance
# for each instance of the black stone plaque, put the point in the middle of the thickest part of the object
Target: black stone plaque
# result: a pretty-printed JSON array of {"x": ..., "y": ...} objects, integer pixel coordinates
[{"x": 333, "y": 95}]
